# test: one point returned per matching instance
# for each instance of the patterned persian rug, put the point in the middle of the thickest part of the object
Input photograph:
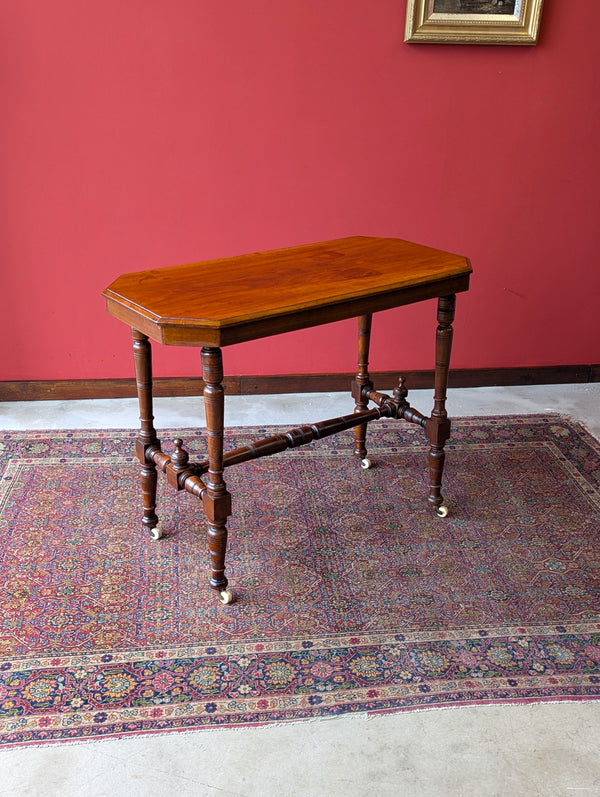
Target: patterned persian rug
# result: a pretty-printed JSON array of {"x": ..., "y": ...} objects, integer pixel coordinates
[{"x": 352, "y": 595}]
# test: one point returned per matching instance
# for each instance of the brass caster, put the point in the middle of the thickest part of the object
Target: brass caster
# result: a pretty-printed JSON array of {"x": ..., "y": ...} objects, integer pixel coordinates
[
  {"x": 226, "y": 596},
  {"x": 365, "y": 464},
  {"x": 442, "y": 511},
  {"x": 156, "y": 533}
]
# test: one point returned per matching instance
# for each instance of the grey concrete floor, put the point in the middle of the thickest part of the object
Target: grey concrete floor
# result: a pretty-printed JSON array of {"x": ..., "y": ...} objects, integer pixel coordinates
[{"x": 545, "y": 749}]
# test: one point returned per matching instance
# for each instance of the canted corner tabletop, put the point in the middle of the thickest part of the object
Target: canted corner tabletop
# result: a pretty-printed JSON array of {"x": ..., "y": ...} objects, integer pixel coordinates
[{"x": 220, "y": 302}]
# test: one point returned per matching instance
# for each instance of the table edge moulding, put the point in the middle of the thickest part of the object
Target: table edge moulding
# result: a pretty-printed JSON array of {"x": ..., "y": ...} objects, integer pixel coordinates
[{"x": 217, "y": 303}]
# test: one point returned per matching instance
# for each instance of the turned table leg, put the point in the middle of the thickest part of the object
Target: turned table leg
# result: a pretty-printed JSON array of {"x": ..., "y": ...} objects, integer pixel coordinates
[
  {"x": 362, "y": 380},
  {"x": 216, "y": 499},
  {"x": 146, "y": 438},
  {"x": 438, "y": 426}
]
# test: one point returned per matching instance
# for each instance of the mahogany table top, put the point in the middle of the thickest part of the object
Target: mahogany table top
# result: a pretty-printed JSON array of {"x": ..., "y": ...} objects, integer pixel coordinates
[{"x": 220, "y": 302}]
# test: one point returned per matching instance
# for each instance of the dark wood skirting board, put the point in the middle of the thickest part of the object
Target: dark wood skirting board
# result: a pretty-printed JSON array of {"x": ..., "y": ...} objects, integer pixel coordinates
[{"x": 64, "y": 389}]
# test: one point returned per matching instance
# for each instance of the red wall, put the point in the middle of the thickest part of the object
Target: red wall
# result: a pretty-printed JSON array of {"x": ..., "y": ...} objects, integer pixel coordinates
[{"x": 146, "y": 133}]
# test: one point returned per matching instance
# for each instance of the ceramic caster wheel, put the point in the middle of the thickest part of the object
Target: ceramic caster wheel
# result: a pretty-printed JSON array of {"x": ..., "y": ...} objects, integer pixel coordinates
[
  {"x": 156, "y": 533},
  {"x": 226, "y": 596},
  {"x": 365, "y": 464},
  {"x": 442, "y": 511}
]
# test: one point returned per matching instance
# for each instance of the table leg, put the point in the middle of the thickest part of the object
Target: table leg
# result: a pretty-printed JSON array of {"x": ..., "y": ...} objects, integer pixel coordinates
[
  {"x": 216, "y": 499},
  {"x": 146, "y": 438},
  {"x": 438, "y": 426},
  {"x": 362, "y": 380}
]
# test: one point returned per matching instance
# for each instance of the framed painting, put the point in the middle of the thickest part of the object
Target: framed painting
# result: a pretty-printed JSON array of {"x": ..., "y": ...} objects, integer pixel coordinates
[{"x": 473, "y": 21}]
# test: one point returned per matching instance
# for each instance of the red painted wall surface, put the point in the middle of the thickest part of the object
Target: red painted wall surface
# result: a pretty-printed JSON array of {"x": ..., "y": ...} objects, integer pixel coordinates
[{"x": 147, "y": 133}]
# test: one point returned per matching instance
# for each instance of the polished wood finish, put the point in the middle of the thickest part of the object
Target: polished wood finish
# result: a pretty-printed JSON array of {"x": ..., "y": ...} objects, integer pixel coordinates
[
  {"x": 220, "y": 302},
  {"x": 212, "y": 304},
  {"x": 362, "y": 381},
  {"x": 216, "y": 499},
  {"x": 146, "y": 440},
  {"x": 438, "y": 426}
]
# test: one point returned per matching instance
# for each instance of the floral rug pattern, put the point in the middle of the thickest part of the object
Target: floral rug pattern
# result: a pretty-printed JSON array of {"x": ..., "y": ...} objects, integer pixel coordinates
[{"x": 352, "y": 596}]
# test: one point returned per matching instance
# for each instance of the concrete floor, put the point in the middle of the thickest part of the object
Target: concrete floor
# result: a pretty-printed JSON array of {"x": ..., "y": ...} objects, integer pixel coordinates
[{"x": 546, "y": 749}]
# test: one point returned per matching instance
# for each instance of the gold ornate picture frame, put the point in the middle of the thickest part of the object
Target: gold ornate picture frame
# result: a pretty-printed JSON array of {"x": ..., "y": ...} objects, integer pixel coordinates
[{"x": 473, "y": 21}]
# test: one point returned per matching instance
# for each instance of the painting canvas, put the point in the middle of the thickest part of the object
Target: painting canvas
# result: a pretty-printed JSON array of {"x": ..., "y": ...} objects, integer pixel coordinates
[
  {"x": 476, "y": 7},
  {"x": 473, "y": 21}
]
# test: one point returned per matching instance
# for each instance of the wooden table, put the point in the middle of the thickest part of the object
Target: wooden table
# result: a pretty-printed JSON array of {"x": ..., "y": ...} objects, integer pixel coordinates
[{"x": 220, "y": 302}]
